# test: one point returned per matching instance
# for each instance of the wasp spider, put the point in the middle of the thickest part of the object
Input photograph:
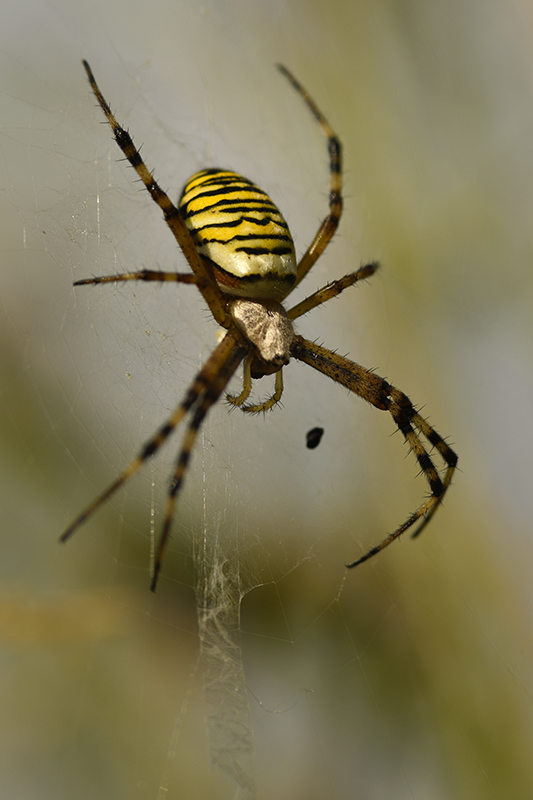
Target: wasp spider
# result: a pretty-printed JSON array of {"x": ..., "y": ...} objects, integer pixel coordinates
[{"x": 242, "y": 258}]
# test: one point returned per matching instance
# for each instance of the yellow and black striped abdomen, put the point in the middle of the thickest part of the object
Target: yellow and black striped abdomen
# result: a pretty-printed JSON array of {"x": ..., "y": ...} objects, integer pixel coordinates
[{"x": 239, "y": 229}]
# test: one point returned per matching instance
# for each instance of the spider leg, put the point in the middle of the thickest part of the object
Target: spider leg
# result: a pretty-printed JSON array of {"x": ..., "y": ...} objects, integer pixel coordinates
[
  {"x": 333, "y": 289},
  {"x": 205, "y": 282},
  {"x": 383, "y": 395},
  {"x": 216, "y": 373},
  {"x": 209, "y": 396},
  {"x": 141, "y": 275},
  {"x": 330, "y": 223},
  {"x": 447, "y": 454}
]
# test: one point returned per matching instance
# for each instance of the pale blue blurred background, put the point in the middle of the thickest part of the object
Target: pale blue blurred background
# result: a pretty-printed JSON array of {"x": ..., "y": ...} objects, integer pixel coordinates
[{"x": 408, "y": 678}]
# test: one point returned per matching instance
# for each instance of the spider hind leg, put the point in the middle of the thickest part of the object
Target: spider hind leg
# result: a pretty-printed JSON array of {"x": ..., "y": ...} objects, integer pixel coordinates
[
  {"x": 382, "y": 395},
  {"x": 205, "y": 390},
  {"x": 408, "y": 419}
]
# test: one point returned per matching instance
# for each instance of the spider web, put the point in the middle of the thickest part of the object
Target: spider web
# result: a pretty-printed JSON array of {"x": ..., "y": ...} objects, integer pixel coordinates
[{"x": 258, "y": 655}]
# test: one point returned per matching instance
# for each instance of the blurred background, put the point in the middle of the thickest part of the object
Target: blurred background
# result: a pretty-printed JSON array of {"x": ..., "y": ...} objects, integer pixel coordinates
[{"x": 410, "y": 677}]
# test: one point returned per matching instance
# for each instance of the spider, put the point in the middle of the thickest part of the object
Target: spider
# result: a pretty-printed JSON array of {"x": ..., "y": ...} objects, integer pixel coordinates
[{"x": 243, "y": 262}]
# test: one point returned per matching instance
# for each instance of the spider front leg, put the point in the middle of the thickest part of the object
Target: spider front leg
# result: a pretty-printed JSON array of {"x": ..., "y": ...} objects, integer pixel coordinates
[
  {"x": 204, "y": 279},
  {"x": 383, "y": 395},
  {"x": 330, "y": 224}
]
